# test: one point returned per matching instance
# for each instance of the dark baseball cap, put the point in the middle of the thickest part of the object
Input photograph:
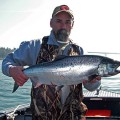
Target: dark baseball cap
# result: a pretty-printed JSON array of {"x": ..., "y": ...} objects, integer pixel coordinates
[{"x": 63, "y": 8}]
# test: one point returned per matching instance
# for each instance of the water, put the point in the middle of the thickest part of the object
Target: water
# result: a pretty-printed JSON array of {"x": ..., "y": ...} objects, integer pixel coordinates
[
  {"x": 9, "y": 99},
  {"x": 22, "y": 95}
]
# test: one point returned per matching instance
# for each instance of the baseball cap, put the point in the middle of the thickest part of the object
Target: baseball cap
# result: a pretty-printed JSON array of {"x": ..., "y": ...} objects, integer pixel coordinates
[{"x": 63, "y": 8}]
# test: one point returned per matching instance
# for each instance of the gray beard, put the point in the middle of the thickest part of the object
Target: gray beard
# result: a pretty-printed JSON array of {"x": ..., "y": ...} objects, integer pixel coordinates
[{"x": 62, "y": 36}]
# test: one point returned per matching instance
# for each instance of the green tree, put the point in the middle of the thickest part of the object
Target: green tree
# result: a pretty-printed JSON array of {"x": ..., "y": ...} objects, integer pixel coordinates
[{"x": 4, "y": 51}]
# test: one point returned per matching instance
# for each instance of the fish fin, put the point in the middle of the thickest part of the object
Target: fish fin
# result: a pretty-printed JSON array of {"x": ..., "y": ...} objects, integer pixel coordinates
[
  {"x": 58, "y": 88},
  {"x": 15, "y": 87}
]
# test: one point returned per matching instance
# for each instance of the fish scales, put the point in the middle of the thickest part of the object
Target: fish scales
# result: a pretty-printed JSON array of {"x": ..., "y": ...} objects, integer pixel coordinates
[{"x": 66, "y": 71}]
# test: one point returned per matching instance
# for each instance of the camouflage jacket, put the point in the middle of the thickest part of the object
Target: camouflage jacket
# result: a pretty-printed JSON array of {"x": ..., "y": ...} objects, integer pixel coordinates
[{"x": 46, "y": 100}]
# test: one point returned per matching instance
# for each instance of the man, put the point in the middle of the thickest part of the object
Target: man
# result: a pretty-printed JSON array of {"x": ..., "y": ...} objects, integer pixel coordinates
[{"x": 50, "y": 102}]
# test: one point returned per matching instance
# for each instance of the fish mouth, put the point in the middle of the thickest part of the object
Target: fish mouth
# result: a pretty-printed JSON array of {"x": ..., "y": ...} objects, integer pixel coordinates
[
  {"x": 118, "y": 69},
  {"x": 115, "y": 71}
]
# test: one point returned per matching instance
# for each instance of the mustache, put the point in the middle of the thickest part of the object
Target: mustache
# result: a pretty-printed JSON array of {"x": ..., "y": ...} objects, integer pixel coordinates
[{"x": 62, "y": 35}]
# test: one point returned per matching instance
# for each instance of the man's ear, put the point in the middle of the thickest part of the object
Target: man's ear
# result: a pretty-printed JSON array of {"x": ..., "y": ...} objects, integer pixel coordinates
[
  {"x": 72, "y": 24},
  {"x": 51, "y": 23}
]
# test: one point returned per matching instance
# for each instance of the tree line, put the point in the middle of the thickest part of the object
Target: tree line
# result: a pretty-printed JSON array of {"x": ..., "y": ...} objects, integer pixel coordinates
[{"x": 4, "y": 51}]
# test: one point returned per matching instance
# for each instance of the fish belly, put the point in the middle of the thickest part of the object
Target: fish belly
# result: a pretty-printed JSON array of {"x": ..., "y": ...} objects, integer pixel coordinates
[{"x": 59, "y": 77}]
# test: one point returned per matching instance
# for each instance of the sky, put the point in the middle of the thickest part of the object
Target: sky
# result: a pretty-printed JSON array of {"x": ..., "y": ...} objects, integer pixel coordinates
[{"x": 96, "y": 27}]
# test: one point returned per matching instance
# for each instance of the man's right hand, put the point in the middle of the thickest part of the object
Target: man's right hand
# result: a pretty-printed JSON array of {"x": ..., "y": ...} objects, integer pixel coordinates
[{"x": 19, "y": 77}]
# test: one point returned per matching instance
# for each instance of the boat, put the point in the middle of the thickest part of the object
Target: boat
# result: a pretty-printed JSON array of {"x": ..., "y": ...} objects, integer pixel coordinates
[{"x": 102, "y": 105}]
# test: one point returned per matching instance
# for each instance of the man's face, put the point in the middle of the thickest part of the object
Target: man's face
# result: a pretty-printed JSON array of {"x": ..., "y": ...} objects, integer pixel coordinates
[{"x": 62, "y": 23}]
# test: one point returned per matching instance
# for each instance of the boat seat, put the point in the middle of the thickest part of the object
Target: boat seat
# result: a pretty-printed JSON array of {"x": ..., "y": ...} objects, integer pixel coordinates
[{"x": 98, "y": 113}]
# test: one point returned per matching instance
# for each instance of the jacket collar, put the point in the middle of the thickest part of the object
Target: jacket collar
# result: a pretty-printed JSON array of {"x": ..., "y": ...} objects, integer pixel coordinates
[{"x": 52, "y": 40}]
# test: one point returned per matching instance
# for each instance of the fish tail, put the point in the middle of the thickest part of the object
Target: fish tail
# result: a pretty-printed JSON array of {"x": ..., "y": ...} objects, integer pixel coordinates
[{"x": 15, "y": 87}]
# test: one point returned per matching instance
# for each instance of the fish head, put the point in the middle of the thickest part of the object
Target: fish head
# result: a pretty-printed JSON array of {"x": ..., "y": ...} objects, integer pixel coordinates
[{"x": 109, "y": 67}]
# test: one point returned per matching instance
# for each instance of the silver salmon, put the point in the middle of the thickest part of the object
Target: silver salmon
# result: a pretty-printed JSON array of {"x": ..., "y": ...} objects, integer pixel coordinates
[{"x": 71, "y": 70}]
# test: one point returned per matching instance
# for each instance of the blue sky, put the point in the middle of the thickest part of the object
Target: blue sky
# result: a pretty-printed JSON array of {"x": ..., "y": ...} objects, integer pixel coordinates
[{"x": 96, "y": 28}]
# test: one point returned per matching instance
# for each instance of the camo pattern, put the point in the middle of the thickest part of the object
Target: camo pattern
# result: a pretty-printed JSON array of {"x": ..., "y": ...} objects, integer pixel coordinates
[{"x": 46, "y": 101}]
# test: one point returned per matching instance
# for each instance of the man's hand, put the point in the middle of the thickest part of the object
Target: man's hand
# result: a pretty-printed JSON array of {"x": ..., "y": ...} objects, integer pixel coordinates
[
  {"x": 19, "y": 77},
  {"x": 93, "y": 79},
  {"x": 92, "y": 83}
]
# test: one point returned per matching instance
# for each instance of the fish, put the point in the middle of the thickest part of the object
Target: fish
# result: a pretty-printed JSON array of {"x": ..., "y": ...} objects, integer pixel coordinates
[{"x": 71, "y": 70}]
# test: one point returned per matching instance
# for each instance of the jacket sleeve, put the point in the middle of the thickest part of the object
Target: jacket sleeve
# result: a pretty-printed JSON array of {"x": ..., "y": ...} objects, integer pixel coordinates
[{"x": 25, "y": 55}]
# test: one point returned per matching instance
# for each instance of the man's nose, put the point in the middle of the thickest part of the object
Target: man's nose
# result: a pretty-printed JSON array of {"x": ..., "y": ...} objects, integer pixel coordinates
[{"x": 63, "y": 25}]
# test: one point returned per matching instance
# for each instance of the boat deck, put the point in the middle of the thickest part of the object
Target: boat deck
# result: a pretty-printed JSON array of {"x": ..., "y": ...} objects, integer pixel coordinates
[
  {"x": 101, "y": 93},
  {"x": 102, "y": 105}
]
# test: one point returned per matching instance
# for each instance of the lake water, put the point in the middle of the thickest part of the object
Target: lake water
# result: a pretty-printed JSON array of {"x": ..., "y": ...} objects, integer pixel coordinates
[
  {"x": 9, "y": 99},
  {"x": 22, "y": 95}
]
